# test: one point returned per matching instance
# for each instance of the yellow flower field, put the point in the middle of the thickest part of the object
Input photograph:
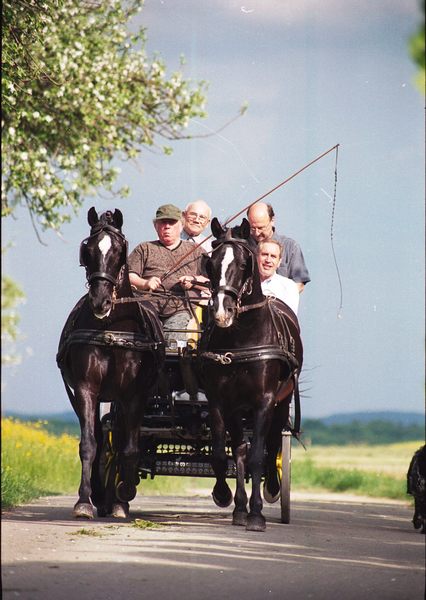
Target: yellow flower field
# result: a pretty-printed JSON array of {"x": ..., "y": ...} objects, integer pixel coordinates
[{"x": 34, "y": 462}]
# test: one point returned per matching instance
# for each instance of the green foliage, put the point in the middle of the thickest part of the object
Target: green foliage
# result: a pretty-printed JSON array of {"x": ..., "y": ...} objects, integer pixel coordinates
[
  {"x": 35, "y": 463},
  {"x": 79, "y": 90},
  {"x": 306, "y": 474},
  {"x": 417, "y": 51},
  {"x": 356, "y": 432},
  {"x": 11, "y": 296}
]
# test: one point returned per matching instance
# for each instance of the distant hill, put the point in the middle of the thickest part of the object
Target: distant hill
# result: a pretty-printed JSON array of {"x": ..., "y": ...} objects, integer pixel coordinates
[
  {"x": 403, "y": 418},
  {"x": 64, "y": 417},
  {"x": 339, "y": 429}
]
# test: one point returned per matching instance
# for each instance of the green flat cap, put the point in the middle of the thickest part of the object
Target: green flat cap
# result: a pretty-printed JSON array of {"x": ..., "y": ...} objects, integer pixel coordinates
[{"x": 168, "y": 211}]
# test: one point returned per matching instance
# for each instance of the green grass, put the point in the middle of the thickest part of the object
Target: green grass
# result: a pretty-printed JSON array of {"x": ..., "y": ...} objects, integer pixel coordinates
[
  {"x": 37, "y": 463},
  {"x": 377, "y": 471},
  {"x": 307, "y": 475}
]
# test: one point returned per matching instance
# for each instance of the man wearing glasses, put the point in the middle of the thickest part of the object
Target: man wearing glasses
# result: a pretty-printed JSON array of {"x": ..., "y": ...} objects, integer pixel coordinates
[
  {"x": 195, "y": 219},
  {"x": 261, "y": 217}
]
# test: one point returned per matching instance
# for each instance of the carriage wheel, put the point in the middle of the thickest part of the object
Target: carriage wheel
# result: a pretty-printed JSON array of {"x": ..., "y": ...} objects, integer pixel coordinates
[
  {"x": 105, "y": 471},
  {"x": 284, "y": 474}
]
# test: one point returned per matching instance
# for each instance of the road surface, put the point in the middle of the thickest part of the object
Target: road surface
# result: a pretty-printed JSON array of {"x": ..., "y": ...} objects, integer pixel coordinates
[{"x": 334, "y": 548}]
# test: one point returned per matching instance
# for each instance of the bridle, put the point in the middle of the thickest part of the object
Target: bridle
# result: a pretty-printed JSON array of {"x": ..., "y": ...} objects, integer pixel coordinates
[
  {"x": 96, "y": 230},
  {"x": 247, "y": 287}
]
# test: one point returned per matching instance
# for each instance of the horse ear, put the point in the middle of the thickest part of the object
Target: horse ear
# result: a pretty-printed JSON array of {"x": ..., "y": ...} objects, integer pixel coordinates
[
  {"x": 118, "y": 218},
  {"x": 92, "y": 216},
  {"x": 217, "y": 229},
  {"x": 245, "y": 229}
]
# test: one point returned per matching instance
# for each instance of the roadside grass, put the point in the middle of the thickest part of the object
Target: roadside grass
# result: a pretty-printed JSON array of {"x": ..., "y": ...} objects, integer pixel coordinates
[
  {"x": 307, "y": 476},
  {"x": 36, "y": 463},
  {"x": 376, "y": 471},
  {"x": 390, "y": 459},
  {"x": 364, "y": 470}
]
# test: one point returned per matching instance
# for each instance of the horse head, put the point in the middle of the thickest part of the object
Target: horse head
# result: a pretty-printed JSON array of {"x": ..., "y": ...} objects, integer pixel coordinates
[
  {"x": 104, "y": 255},
  {"x": 231, "y": 269}
]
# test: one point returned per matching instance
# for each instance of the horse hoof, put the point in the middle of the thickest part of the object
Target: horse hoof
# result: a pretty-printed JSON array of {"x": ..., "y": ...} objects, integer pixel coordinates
[
  {"x": 239, "y": 518},
  {"x": 256, "y": 523},
  {"x": 83, "y": 510},
  {"x": 125, "y": 492},
  {"x": 120, "y": 511},
  {"x": 270, "y": 496},
  {"x": 222, "y": 500}
]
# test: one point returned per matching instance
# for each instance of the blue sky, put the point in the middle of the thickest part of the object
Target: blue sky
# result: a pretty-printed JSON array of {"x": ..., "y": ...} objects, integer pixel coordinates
[{"x": 314, "y": 73}]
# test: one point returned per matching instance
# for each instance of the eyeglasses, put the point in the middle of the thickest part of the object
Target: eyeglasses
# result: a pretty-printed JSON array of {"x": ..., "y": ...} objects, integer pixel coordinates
[
  {"x": 261, "y": 229},
  {"x": 192, "y": 216}
]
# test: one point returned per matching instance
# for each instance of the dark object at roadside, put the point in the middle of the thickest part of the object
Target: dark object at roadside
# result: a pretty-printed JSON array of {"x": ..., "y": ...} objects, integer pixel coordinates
[{"x": 416, "y": 486}]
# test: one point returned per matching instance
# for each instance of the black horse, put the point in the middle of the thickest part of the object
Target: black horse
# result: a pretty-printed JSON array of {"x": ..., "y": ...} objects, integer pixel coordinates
[
  {"x": 250, "y": 359},
  {"x": 416, "y": 486},
  {"x": 109, "y": 351}
]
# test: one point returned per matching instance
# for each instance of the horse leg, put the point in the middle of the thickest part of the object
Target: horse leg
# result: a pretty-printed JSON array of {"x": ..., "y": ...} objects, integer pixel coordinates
[
  {"x": 261, "y": 419},
  {"x": 221, "y": 493},
  {"x": 87, "y": 450},
  {"x": 239, "y": 516},
  {"x": 129, "y": 454}
]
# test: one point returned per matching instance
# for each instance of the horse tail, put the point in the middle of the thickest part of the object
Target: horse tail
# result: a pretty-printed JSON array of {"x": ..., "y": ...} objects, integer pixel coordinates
[{"x": 69, "y": 391}]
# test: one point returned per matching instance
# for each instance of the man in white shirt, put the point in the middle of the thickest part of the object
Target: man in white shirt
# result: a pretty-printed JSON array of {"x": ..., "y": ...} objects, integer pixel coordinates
[
  {"x": 261, "y": 217},
  {"x": 195, "y": 219},
  {"x": 269, "y": 254}
]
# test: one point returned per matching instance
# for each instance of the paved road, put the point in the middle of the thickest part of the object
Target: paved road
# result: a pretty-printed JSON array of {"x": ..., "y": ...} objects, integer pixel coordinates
[{"x": 334, "y": 548}]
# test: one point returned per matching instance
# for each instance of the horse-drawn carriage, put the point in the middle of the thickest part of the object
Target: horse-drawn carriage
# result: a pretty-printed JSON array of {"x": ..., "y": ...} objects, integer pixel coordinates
[{"x": 215, "y": 405}]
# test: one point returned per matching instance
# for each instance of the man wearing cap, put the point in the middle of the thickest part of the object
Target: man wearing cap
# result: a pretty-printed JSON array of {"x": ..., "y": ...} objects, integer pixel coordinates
[
  {"x": 195, "y": 219},
  {"x": 262, "y": 224},
  {"x": 151, "y": 268}
]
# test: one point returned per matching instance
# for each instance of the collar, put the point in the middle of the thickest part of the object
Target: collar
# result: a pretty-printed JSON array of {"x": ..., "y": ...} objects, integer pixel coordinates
[{"x": 170, "y": 248}]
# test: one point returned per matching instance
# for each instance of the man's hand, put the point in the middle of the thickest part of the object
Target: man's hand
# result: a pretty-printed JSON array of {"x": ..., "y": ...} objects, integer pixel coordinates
[
  {"x": 198, "y": 281},
  {"x": 152, "y": 284},
  {"x": 186, "y": 281}
]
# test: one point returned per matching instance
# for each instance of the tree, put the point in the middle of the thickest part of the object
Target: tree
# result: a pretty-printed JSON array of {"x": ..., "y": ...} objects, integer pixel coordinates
[
  {"x": 11, "y": 295},
  {"x": 78, "y": 90},
  {"x": 417, "y": 51}
]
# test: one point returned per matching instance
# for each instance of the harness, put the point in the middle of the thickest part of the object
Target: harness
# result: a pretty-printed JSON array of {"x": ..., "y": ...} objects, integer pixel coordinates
[
  {"x": 117, "y": 339},
  {"x": 255, "y": 353},
  {"x": 285, "y": 351}
]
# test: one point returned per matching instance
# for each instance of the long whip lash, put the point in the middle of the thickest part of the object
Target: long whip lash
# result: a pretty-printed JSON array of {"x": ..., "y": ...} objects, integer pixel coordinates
[
  {"x": 335, "y": 147},
  {"x": 339, "y": 314}
]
